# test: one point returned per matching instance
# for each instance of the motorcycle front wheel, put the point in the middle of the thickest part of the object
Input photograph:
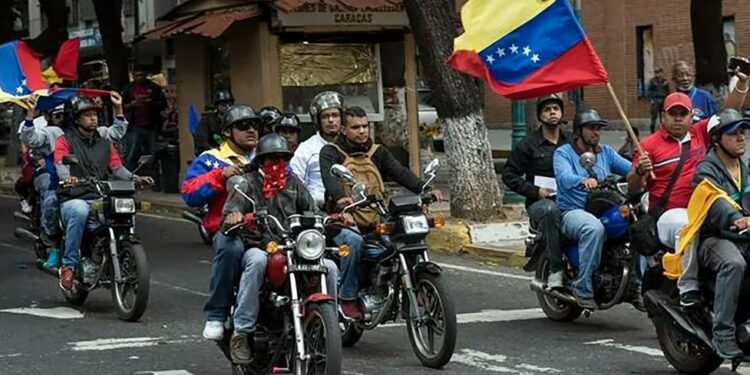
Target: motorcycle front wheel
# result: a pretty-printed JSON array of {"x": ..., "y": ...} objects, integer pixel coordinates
[
  {"x": 322, "y": 341},
  {"x": 130, "y": 296},
  {"x": 436, "y": 317}
]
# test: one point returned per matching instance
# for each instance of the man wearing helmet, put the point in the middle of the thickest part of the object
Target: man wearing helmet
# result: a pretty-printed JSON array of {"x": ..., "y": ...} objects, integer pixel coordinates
[
  {"x": 573, "y": 183},
  {"x": 209, "y": 133},
  {"x": 529, "y": 163},
  {"x": 270, "y": 117},
  {"x": 204, "y": 184},
  {"x": 97, "y": 157},
  {"x": 289, "y": 128},
  {"x": 326, "y": 111},
  {"x": 275, "y": 189},
  {"x": 721, "y": 248},
  {"x": 40, "y": 138}
]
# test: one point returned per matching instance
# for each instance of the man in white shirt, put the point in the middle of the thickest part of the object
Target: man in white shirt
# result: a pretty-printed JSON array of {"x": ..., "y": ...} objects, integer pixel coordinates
[{"x": 326, "y": 110}]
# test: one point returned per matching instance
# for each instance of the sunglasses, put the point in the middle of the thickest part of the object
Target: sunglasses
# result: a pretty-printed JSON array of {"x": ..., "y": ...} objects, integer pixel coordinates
[{"x": 244, "y": 126}]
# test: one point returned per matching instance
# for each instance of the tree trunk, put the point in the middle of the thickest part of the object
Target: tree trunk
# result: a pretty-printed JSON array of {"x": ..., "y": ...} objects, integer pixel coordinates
[
  {"x": 475, "y": 191},
  {"x": 708, "y": 42},
  {"x": 109, "y": 16}
]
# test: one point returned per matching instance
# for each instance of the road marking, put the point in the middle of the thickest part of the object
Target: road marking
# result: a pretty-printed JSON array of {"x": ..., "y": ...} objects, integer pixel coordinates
[
  {"x": 179, "y": 288},
  {"x": 160, "y": 217},
  {"x": 168, "y": 372},
  {"x": 10, "y": 355},
  {"x": 485, "y": 272},
  {"x": 498, "y": 363},
  {"x": 132, "y": 342},
  {"x": 490, "y": 316},
  {"x": 55, "y": 312}
]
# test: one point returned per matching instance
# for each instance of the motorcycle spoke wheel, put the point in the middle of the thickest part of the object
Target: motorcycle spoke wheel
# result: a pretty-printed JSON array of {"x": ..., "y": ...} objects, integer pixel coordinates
[
  {"x": 130, "y": 296},
  {"x": 432, "y": 329},
  {"x": 322, "y": 340}
]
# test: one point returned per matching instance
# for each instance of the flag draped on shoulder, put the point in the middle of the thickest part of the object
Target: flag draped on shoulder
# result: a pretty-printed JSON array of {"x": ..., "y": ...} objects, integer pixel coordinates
[{"x": 524, "y": 48}]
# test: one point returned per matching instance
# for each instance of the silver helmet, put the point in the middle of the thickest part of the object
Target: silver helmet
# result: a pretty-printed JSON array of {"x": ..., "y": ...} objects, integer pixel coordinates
[{"x": 323, "y": 101}]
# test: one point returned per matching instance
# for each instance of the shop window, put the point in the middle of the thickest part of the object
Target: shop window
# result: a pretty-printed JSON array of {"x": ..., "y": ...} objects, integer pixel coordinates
[
  {"x": 730, "y": 38},
  {"x": 351, "y": 69},
  {"x": 645, "y": 56},
  {"x": 218, "y": 67}
]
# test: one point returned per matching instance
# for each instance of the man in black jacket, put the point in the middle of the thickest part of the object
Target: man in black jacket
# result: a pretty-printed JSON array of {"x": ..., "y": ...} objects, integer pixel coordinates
[
  {"x": 370, "y": 164},
  {"x": 210, "y": 130},
  {"x": 532, "y": 157}
]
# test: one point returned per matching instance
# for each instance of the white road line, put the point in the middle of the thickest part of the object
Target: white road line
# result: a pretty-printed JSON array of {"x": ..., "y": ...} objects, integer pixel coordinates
[
  {"x": 179, "y": 288},
  {"x": 491, "y": 316},
  {"x": 160, "y": 217},
  {"x": 55, "y": 312},
  {"x": 132, "y": 342},
  {"x": 498, "y": 363},
  {"x": 10, "y": 355},
  {"x": 485, "y": 272},
  {"x": 168, "y": 372}
]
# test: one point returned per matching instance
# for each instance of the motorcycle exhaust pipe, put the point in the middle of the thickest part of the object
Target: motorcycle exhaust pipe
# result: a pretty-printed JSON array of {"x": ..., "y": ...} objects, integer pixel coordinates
[
  {"x": 25, "y": 234},
  {"x": 22, "y": 217},
  {"x": 538, "y": 287},
  {"x": 189, "y": 216}
]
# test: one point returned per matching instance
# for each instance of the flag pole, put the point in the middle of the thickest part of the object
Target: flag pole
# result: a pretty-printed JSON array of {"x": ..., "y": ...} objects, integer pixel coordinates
[{"x": 628, "y": 127}]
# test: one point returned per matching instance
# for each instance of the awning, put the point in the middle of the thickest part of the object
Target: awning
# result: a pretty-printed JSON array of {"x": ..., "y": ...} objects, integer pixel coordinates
[
  {"x": 210, "y": 25},
  {"x": 345, "y": 5}
]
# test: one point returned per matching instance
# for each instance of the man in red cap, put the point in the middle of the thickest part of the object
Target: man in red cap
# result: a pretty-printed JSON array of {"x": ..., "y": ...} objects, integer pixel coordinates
[{"x": 676, "y": 139}]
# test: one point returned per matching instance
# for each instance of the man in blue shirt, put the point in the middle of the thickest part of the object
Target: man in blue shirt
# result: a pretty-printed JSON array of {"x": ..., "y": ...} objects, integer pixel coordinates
[
  {"x": 704, "y": 104},
  {"x": 573, "y": 184}
]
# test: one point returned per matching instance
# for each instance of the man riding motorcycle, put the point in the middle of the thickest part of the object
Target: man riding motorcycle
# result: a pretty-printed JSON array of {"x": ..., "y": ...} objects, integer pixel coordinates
[
  {"x": 40, "y": 139},
  {"x": 98, "y": 157},
  {"x": 532, "y": 157},
  {"x": 326, "y": 111},
  {"x": 289, "y": 128},
  {"x": 370, "y": 163},
  {"x": 209, "y": 133},
  {"x": 276, "y": 190},
  {"x": 573, "y": 184},
  {"x": 205, "y": 185}
]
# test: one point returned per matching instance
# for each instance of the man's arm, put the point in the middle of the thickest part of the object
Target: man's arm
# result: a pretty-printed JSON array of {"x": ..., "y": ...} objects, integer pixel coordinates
[
  {"x": 33, "y": 136},
  {"x": 328, "y": 157},
  {"x": 636, "y": 181},
  {"x": 736, "y": 99},
  {"x": 394, "y": 171},
  {"x": 721, "y": 215},
  {"x": 202, "y": 183},
  {"x": 517, "y": 165},
  {"x": 116, "y": 132},
  {"x": 305, "y": 201},
  {"x": 564, "y": 173},
  {"x": 61, "y": 149},
  {"x": 299, "y": 163}
]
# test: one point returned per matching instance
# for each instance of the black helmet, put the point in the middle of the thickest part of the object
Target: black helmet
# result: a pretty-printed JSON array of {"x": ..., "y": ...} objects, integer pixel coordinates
[
  {"x": 543, "y": 100},
  {"x": 239, "y": 112},
  {"x": 223, "y": 96},
  {"x": 77, "y": 104},
  {"x": 270, "y": 115},
  {"x": 587, "y": 117},
  {"x": 272, "y": 144},
  {"x": 726, "y": 121},
  {"x": 289, "y": 121}
]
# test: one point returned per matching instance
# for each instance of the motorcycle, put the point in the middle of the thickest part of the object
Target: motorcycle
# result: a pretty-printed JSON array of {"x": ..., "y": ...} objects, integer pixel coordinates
[
  {"x": 31, "y": 217},
  {"x": 615, "y": 281},
  {"x": 685, "y": 335},
  {"x": 296, "y": 328},
  {"x": 397, "y": 276},
  {"x": 195, "y": 216},
  {"x": 111, "y": 254}
]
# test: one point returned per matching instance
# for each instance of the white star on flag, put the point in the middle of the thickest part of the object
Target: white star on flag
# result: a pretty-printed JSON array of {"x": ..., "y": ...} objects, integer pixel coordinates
[
  {"x": 526, "y": 51},
  {"x": 24, "y": 82},
  {"x": 501, "y": 52},
  {"x": 514, "y": 48},
  {"x": 19, "y": 89},
  {"x": 490, "y": 59},
  {"x": 535, "y": 59}
]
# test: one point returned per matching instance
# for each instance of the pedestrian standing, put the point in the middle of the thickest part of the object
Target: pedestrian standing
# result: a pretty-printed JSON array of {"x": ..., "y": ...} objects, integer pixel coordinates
[{"x": 658, "y": 88}]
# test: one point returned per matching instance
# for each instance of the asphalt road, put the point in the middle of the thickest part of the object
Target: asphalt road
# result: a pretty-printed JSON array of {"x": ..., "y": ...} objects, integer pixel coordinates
[{"x": 501, "y": 330}]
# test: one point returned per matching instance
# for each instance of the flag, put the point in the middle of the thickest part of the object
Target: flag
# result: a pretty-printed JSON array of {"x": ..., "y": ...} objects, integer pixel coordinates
[
  {"x": 21, "y": 72},
  {"x": 65, "y": 63},
  {"x": 193, "y": 119},
  {"x": 525, "y": 49},
  {"x": 60, "y": 96}
]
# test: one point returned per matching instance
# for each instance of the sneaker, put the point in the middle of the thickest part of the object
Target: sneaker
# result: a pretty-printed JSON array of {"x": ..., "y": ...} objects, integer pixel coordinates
[
  {"x": 727, "y": 348},
  {"x": 351, "y": 310},
  {"x": 53, "y": 259},
  {"x": 239, "y": 348},
  {"x": 213, "y": 331},
  {"x": 66, "y": 278},
  {"x": 556, "y": 280},
  {"x": 26, "y": 207},
  {"x": 690, "y": 299}
]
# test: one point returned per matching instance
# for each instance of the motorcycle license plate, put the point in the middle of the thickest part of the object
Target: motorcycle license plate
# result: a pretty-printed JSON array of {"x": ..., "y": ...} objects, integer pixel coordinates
[{"x": 308, "y": 268}]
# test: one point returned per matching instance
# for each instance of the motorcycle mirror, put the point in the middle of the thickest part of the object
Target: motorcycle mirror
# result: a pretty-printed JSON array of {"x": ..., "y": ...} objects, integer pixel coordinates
[
  {"x": 432, "y": 168},
  {"x": 588, "y": 160},
  {"x": 342, "y": 172},
  {"x": 358, "y": 191},
  {"x": 70, "y": 159},
  {"x": 237, "y": 183},
  {"x": 145, "y": 159}
]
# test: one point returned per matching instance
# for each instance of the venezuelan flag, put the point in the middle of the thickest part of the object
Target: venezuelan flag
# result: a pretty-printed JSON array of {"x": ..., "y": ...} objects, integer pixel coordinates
[{"x": 525, "y": 48}]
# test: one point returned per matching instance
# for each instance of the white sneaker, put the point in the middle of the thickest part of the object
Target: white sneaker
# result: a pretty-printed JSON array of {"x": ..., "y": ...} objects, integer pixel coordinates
[
  {"x": 25, "y": 207},
  {"x": 555, "y": 280},
  {"x": 213, "y": 331}
]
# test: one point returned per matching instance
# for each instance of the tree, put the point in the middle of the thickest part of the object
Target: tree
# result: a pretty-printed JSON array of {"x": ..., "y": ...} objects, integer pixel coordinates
[
  {"x": 109, "y": 16},
  {"x": 708, "y": 42},
  {"x": 475, "y": 191}
]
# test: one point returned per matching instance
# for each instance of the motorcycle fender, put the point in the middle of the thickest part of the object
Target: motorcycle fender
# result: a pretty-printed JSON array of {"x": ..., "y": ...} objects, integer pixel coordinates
[
  {"x": 658, "y": 303},
  {"x": 315, "y": 298},
  {"x": 428, "y": 267}
]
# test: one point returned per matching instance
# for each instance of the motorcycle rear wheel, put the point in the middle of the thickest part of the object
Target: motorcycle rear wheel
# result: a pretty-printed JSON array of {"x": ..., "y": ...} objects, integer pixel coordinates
[
  {"x": 322, "y": 341},
  {"x": 684, "y": 356},
  {"x": 439, "y": 314},
  {"x": 136, "y": 279},
  {"x": 554, "y": 309}
]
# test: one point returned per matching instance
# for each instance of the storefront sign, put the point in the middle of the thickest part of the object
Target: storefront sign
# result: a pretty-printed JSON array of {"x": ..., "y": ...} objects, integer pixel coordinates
[
  {"x": 334, "y": 16},
  {"x": 89, "y": 37}
]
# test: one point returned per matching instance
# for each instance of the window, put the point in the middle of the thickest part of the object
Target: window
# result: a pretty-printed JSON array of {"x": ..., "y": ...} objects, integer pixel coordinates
[
  {"x": 351, "y": 69},
  {"x": 730, "y": 38},
  {"x": 645, "y": 56}
]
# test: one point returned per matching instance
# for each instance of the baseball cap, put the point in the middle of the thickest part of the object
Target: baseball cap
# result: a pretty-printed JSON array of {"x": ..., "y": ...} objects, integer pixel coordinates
[{"x": 678, "y": 99}]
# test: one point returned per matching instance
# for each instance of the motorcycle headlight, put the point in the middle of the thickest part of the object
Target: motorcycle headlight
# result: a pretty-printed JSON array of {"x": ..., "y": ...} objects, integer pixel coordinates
[
  {"x": 415, "y": 224},
  {"x": 311, "y": 244},
  {"x": 124, "y": 205}
]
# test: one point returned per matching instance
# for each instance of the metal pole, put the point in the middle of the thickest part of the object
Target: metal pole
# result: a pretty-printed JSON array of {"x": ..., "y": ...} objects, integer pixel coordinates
[{"x": 518, "y": 111}]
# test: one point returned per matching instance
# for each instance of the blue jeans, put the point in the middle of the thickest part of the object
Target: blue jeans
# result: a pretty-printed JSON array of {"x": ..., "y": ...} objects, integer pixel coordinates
[
  {"x": 140, "y": 141},
  {"x": 74, "y": 214},
  {"x": 585, "y": 228},
  {"x": 48, "y": 202},
  {"x": 349, "y": 284},
  {"x": 254, "y": 262},
  {"x": 225, "y": 274}
]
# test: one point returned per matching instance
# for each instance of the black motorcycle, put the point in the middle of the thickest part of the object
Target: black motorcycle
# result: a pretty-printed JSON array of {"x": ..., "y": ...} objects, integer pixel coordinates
[
  {"x": 397, "y": 277},
  {"x": 615, "y": 281},
  {"x": 111, "y": 255},
  {"x": 297, "y": 328}
]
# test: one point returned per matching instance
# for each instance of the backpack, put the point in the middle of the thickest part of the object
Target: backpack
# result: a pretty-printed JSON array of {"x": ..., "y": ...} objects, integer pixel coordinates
[{"x": 365, "y": 171}]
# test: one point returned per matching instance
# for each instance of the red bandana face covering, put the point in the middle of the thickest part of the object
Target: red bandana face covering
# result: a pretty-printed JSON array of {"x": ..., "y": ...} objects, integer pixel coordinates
[{"x": 275, "y": 178}]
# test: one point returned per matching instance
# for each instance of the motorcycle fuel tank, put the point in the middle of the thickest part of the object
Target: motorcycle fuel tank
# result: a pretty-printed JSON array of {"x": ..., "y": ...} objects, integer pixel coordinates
[{"x": 614, "y": 224}]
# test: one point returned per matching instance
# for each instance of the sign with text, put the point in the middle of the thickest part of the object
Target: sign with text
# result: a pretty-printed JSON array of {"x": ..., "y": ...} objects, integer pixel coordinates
[{"x": 327, "y": 15}]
